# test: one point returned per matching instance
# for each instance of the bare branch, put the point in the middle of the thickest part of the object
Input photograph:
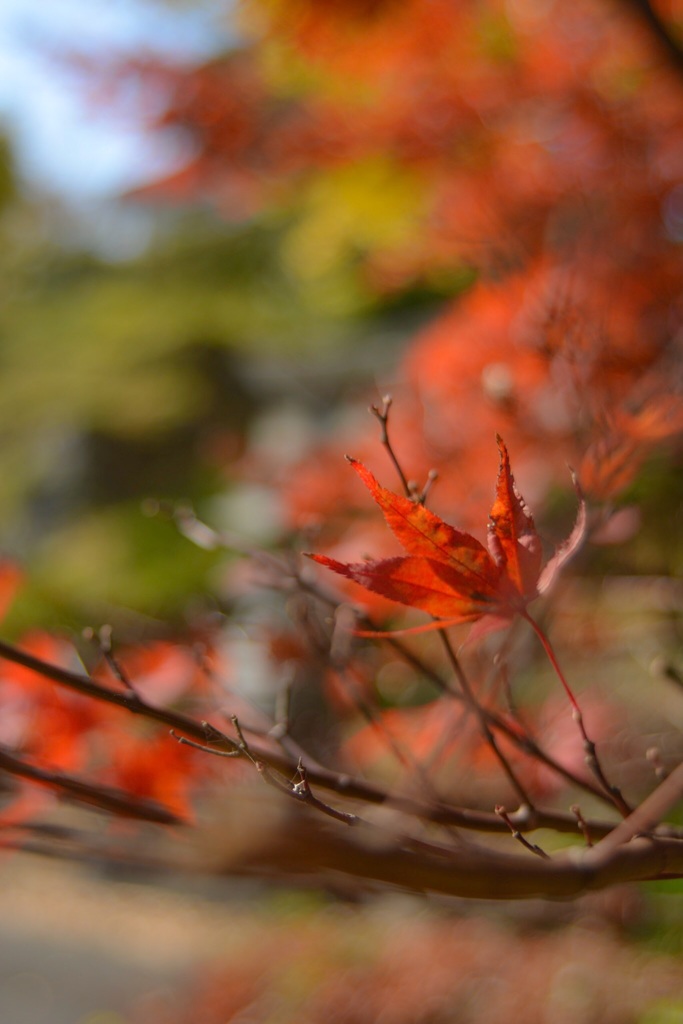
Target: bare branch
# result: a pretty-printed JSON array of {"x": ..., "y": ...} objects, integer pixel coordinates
[{"x": 104, "y": 798}]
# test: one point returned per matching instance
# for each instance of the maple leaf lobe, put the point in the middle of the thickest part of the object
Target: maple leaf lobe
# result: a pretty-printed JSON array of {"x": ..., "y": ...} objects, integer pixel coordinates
[{"x": 512, "y": 537}]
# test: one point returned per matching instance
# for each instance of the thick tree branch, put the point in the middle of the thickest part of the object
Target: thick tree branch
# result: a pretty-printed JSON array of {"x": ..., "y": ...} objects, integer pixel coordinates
[
  {"x": 647, "y": 815},
  {"x": 309, "y": 848}
]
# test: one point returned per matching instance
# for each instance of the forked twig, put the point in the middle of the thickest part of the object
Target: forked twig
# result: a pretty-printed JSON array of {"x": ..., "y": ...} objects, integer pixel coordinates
[
  {"x": 381, "y": 414},
  {"x": 516, "y": 834},
  {"x": 410, "y": 488}
]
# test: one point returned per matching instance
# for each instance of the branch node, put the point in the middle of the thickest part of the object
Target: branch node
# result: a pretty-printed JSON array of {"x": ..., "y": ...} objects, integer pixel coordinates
[
  {"x": 654, "y": 756},
  {"x": 516, "y": 834},
  {"x": 582, "y": 823}
]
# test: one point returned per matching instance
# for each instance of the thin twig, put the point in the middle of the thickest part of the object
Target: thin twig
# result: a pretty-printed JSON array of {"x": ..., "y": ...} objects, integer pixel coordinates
[
  {"x": 654, "y": 757},
  {"x": 589, "y": 747},
  {"x": 421, "y": 496},
  {"x": 411, "y": 489},
  {"x": 208, "y": 748},
  {"x": 475, "y": 706},
  {"x": 382, "y": 416},
  {"x": 582, "y": 823},
  {"x": 299, "y": 789},
  {"x": 103, "y": 639},
  {"x": 516, "y": 834},
  {"x": 302, "y": 791},
  {"x": 283, "y": 704}
]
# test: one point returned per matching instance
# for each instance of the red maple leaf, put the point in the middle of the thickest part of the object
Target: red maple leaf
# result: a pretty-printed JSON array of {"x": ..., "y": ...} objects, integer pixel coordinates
[{"x": 450, "y": 574}]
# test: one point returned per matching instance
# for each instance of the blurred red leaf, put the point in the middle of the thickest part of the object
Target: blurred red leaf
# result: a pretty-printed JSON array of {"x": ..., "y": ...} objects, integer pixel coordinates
[{"x": 11, "y": 578}]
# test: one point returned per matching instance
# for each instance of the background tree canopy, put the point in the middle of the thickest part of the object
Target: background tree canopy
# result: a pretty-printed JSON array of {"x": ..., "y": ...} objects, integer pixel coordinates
[
  {"x": 478, "y": 210},
  {"x": 339, "y": 185}
]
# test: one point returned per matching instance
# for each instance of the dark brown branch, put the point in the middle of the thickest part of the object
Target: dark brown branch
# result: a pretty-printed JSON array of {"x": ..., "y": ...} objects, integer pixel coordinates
[
  {"x": 104, "y": 798},
  {"x": 89, "y": 688},
  {"x": 310, "y": 848},
  {"x": 660, "y": 31}
]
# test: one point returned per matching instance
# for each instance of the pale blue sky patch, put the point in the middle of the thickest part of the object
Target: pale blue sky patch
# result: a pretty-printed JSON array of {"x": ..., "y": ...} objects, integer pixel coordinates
[{"x": 63, "y": 144}]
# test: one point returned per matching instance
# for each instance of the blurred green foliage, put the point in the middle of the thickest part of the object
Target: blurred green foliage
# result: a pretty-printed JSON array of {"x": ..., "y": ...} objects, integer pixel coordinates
[
  {"x": 664, "y": 1012},
  {"x": 121, "y": 380}
]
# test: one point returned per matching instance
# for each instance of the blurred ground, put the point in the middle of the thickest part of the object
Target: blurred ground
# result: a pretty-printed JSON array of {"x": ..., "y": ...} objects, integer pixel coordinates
[
  {"x": 77, "y": 949},
  {"x": 81, "y": 949}
]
